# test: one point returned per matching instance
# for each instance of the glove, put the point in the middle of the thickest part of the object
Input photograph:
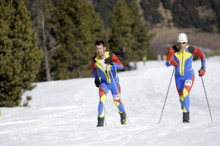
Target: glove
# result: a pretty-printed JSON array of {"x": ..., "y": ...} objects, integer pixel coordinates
[
  {"x": 97, "y": 82},
  {"x": 108, "y": 61},
  {"x": 174, "y": 63},
  {"x": 202, "y": 71}
]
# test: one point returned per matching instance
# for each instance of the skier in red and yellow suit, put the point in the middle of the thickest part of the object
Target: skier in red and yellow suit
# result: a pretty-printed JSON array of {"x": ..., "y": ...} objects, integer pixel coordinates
[
  {"x": 181, "y": 56},
  {"x": 107, "y": 63}
]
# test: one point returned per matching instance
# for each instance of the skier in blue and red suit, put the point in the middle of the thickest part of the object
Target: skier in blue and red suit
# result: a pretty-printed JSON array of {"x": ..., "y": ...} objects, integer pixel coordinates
[
  {"x": 107, "y": 64},
  {"x": 181, "y": 56}
]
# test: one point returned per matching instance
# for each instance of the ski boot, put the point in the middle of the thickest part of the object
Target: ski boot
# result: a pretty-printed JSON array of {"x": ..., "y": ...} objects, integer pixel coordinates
[
  {"x": 123, "y": 118},
  {"x": 100, "y": 121},
  {"x": 186, "y": 117}
]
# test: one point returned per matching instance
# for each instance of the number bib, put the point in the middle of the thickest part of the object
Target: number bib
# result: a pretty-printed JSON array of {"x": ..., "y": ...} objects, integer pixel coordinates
[{"x": 188, "y": 83}]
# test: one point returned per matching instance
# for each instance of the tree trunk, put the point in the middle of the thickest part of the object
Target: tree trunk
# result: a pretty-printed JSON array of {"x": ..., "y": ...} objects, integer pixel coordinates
[{"x": 46, "y": 58}]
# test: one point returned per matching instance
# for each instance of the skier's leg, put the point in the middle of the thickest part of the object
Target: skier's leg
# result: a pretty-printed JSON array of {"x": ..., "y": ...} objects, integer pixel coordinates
[
  {"x": 183, "y": 101},
  {"x": 103, "y": 91},
  {"x": 188, "y": 83},
  {"x": 179, "y": 87},
  {"x": 116, "y": 93}
]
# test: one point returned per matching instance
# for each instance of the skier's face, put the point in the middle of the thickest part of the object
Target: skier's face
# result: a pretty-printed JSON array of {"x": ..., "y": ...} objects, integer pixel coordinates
[
  {"x": 100, "y": 50},
  {"x": 182, "y": 45}
]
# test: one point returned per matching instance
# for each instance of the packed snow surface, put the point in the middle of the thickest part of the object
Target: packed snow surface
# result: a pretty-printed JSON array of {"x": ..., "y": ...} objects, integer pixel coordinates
[{"x": 64, "y": 113}]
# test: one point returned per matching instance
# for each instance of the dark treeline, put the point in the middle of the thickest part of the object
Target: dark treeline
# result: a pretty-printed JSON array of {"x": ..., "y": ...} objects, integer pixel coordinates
[
  {"x": 201, "y": 14},
  {"x": 43, "y": 40},
  {"x": 188, "y": 13}
]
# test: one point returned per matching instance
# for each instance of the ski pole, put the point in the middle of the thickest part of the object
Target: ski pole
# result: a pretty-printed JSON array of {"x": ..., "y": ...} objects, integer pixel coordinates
[
  {"x": 166, "y": 97},
  {"x": 105, "y": 117},
  {"x": 207, "y": 99},
  {"x": 117, "y": 90}
]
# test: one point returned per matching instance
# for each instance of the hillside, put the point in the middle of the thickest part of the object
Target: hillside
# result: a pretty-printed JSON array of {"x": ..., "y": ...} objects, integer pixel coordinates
[
  {"x": 166, "y": 36},
  {"x": 167, "y": 18},
  {"x": 65, "y": 112}
]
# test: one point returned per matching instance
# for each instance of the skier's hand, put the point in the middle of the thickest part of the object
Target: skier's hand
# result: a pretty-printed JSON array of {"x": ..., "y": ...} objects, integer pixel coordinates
[
  {"x": 174, "y": 63},
  {"x": 202, "y": 71},
  {"x": 97, "y": 82},
  {"x": 108, "y": 61}
]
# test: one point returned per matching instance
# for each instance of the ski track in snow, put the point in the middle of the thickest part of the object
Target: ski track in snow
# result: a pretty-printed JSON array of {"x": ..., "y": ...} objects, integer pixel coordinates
[{"x": 65, "y": 112}]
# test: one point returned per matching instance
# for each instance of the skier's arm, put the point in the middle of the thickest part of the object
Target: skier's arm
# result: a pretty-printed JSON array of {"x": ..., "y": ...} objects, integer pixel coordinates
[
  {"x": 94, "y": 70},
  {"x": 170, "y": 56},
  {"x": 116, "y": 62},
  {"x": 199, "y": 53}
]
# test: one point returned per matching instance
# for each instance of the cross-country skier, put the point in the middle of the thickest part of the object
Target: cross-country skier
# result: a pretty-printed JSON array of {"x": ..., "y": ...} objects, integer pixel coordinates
[
  {"x": 181, "y": 57},
  {"x": 107, "y": 64}
]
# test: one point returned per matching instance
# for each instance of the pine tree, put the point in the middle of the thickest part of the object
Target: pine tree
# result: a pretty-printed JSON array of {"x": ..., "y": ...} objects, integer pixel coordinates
[
  {"x": 76, "y": 27},
  {"x": 142, "y": 37},
  {"x": 40, "y": 14},
  {"x": 105, "y": 8},
  {"x": 151, "y": 13},
  {"x": 166, "y": 4},
  {"x": 216, "y": 6},
  {"x": 19, "y": 56},
  {"x": 121, "y": 38}
]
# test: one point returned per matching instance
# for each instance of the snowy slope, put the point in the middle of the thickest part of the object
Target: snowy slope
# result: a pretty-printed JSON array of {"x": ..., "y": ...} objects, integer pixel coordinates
[{"x": 65, "y": 112}]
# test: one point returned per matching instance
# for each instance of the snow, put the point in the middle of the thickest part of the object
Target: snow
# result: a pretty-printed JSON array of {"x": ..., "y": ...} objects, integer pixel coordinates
[{"x": 65, "y": 112}]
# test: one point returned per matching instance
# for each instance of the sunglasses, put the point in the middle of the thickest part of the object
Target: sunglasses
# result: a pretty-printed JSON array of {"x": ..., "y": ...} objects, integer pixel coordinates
[{"x": 181, "y": 43}]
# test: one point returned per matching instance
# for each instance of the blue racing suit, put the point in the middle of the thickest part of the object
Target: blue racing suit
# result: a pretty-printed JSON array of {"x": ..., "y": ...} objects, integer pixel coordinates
[
  {"x": 184, "y": 74},
  {"x": 109, "y": 81}
]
